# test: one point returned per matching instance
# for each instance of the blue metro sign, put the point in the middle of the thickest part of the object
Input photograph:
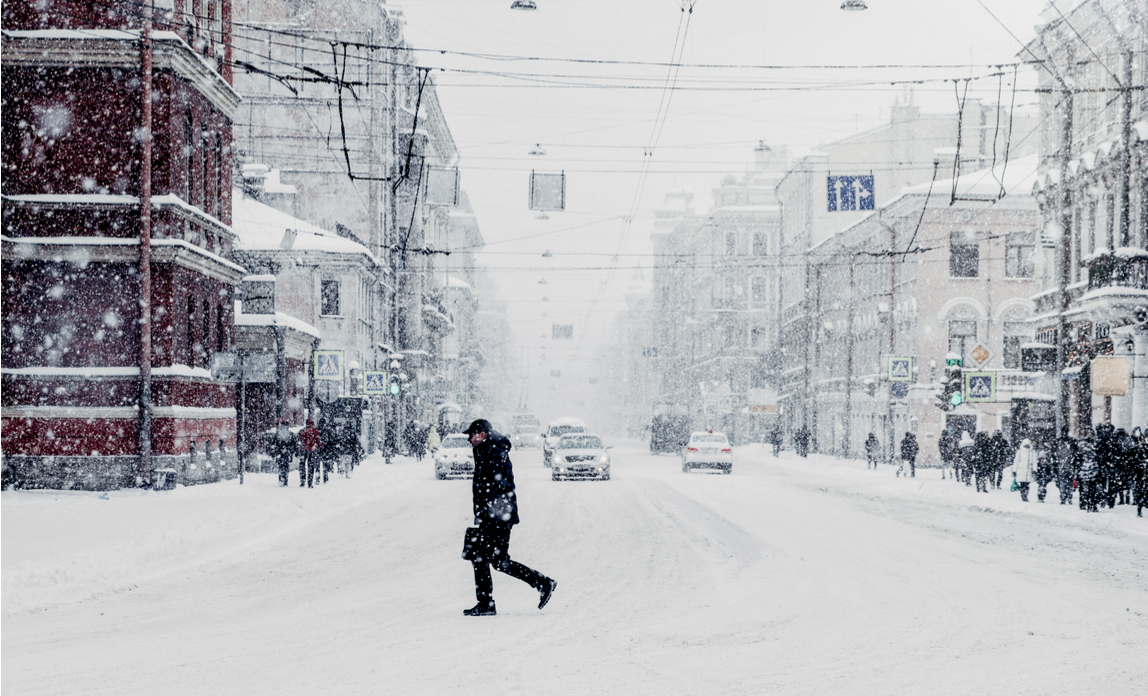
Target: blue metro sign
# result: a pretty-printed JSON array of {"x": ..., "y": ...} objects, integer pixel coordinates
[{"x": 850, "y": 192}]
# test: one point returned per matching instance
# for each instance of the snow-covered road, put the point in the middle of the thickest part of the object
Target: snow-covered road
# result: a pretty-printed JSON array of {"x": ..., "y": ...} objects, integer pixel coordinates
[{"x": 790, "y": 576}]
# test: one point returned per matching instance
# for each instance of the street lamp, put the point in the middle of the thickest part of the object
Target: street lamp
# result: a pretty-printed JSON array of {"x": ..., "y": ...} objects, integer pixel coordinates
[{"x": 848, "y": 5}]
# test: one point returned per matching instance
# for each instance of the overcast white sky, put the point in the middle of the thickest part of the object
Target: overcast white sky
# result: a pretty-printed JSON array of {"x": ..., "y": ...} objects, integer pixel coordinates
[{"x": 595, "y": 120}]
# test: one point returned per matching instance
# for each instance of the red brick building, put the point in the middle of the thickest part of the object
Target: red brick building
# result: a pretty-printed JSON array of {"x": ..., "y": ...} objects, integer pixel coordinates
[{"x": 85, "y": 403}]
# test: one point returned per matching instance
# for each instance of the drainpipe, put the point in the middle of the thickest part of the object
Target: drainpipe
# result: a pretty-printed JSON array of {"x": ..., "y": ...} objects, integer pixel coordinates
[{"x": 143, "y": 475}]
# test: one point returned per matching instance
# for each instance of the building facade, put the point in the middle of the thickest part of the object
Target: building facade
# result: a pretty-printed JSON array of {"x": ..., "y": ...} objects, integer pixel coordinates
[
  {"x": 111, "y": 309},
  {"x": 1092, "y": 64}
]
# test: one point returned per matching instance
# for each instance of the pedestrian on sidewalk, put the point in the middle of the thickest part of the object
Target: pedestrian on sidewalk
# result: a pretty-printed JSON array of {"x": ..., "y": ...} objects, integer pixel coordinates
[
  {"x": 801, "y": 440},
  {"x": 433, "y": 440},
  {"x": 1024, "y": 467},
  {"x": 309, "y": 441},
  {"x": 909, "y": 449},
  {"x": 946, "y": 445},
  {"x": 1065, "y": 465},
  {"x": 965, "y": 458},
  {"x": 872, "y": 451},
  {"x": 1140, "y": 470},
  {"x": 496, "y": 513},
  {"x": 283, "y": 445},
  {"x": 1002, "y": 458},
  {"x": 984, "y": 461},
  {"x": 1088, "y": 476},
  {"x": 775, "y": 440}
]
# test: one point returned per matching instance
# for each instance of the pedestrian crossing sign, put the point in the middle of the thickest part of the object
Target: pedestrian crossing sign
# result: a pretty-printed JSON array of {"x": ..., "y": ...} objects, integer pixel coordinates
[
  {"x": 374, "y": 382},
  {"x": 980, "y": 386},
  {"x": 900, "y": 369},
  {"x": 329, "y": 365}
]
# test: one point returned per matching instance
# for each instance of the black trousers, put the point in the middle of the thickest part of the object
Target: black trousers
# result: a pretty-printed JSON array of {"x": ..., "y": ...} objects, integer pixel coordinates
[{"x": 496, "y": 540}]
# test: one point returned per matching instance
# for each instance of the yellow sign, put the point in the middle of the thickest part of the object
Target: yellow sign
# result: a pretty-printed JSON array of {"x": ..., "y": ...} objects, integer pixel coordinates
[
  {"x": 1111, "y": 376},
  {"x": 763, "y": 409}
]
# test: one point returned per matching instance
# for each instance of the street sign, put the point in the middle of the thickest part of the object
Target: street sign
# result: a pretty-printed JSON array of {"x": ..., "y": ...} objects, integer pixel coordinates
[
  {"x": 980, "y": 386},
  {"x": 850, "y": 192},
  {"x": 562, "y": 332},
  {"x": 1111, "y": 376},
  {"x": 762, "y": 408},
  {"x": 900, "y": 390},
  {"x": 900, "y": 369},
  {"x": 329, "y": 365},
  {"x": 442, "y": 186},
  {"x": 547, "y": 191},
  {"x": 375, "y": 382},
  {"x": 981, "y": 354},
  {"x": 246, "y": 367},
  {"x": 650, "y": 352}
]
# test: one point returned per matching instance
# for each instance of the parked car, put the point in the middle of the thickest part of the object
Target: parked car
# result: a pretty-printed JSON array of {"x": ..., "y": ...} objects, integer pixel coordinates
[
  {"x": 455, "y": 457},
  {"x": 554, "y": 432},
  {"x": 707, "y": 450},
  {"x": 580, "y": 455}
]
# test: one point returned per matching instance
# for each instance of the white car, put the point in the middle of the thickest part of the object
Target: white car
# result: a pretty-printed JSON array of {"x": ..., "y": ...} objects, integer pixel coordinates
[
  {"x": 580, "y": 455},
  {"x": 526, "y": 437},
  {"x": 554, "y": 432},
  {"x": 708, "y": 450},
  {"x": 454, "y": 457}
]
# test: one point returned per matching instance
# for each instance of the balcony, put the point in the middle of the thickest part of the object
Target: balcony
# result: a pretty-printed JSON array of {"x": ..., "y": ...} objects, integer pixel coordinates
[{"x": 1125, "y": 268}]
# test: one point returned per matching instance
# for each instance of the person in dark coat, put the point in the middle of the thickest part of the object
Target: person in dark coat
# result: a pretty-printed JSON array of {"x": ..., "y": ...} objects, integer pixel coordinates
[
  {"x": 310, "y": 441},
  {"x": 966, "y": 458},
  {"x": 872, "y": 451},
  {"x": 775, "y": 440},
  {"x": 328, "y": 450},
  {"x": 909, "y": 450},
  {"x": 1140, "y": 470},
  {"x": 495, "y": 513},
  {"x": 945, "y": 446},
  {"x": 1125, "y": 450},
  {"x": 1105, "y": 448},
  {"x": 1065, "y": 462},
  {"x": 1002, "y": 454},
  {"x": 984, "y": 460},
  {"x": 1089, "y": 474},
  {"x": 283, "y": 446},
  {"x": 801, "y": 440}
]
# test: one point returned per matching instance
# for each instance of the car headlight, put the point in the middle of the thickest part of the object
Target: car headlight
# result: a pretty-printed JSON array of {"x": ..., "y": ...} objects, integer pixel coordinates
[{"x": 604, "y": 458}]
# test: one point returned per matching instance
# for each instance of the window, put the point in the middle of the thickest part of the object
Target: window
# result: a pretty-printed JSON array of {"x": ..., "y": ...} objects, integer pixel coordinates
[
  {"x": 760, "y": 243},
  {"x": 219, "y": 342},
  {"x": 1016, "y": 333},
  {"x": 964, "y": 255},
  {"x": 962, "y": 336},
  {"x": 1019, "y": 248},
  {"x": 329, "y": 295},
  {"x": 188, "y": 147},
  {"x": 190, "y": 331},
  {"x": 205, "y": 344},
  {"x": 730, "y": 243},
  {"x": 759, "y": 292}
]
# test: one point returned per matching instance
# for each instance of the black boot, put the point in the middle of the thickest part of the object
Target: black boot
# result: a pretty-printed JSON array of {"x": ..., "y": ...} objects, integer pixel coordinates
[
  {"x": 480, "y": 609},
  {"x": 544, "y": 592}
]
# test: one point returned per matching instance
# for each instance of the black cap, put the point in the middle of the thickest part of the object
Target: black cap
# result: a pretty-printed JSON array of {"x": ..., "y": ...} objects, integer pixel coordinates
[{"x": 479, "y": 426}]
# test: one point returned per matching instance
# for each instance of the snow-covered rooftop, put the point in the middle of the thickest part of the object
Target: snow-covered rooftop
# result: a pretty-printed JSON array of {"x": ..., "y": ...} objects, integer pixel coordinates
[
  {"x": 1017, "y": 176},
  {"x": 260, "y": 227}
]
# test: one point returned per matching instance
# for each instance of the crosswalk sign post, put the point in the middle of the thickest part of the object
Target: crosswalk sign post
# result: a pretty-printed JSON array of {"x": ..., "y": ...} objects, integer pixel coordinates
[
  {"x": 329, "y": 365},
  {"x": 980, "y": 386},
  {"x": 900, "y": 369},
  {"x": 375, "y": 382}
]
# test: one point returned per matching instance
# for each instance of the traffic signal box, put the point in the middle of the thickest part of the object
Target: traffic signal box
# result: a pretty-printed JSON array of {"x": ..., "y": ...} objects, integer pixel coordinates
[{"x": 952, "y": 388}]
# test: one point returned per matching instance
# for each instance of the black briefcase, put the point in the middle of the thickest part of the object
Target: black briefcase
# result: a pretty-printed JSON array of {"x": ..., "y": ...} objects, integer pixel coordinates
[{"x": 472, "y": 546}]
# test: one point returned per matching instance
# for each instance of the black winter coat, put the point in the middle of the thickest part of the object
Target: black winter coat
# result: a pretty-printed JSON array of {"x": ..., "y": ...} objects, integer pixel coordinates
[{"x": 493, "y": 484}]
